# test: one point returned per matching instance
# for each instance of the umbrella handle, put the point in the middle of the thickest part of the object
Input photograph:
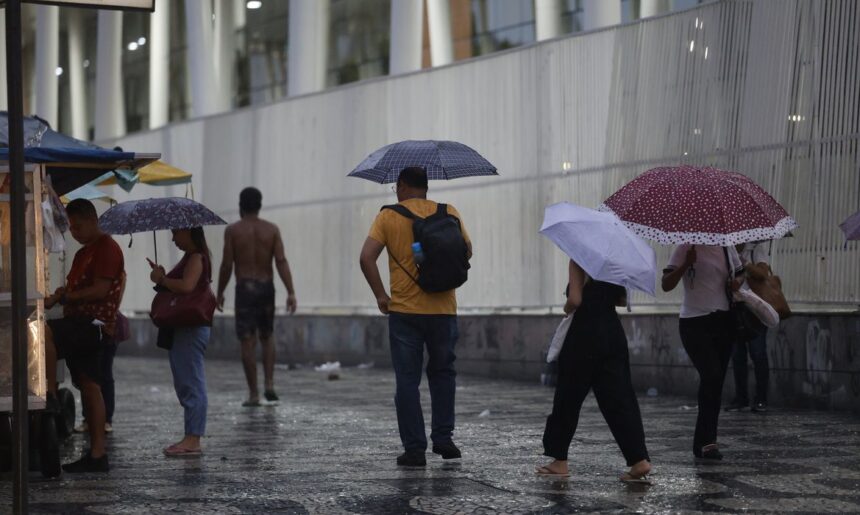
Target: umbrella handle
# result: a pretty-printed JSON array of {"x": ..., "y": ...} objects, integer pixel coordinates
[{"x": 155, "y": 245}]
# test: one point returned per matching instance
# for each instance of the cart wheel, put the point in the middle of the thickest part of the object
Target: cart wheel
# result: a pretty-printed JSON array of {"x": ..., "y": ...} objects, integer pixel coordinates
[
  {"x": 5, "y": 442},
  {"x": 66, "y": 416},
  {"x": 49, "y": 446}
]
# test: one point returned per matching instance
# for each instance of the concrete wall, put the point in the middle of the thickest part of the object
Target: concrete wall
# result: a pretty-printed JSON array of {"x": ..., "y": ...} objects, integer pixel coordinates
[{"x": 815, "y": 358}]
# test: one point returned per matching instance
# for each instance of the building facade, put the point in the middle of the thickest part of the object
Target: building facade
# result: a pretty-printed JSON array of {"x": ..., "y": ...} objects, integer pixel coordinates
[{"x": 579, "y": 104}]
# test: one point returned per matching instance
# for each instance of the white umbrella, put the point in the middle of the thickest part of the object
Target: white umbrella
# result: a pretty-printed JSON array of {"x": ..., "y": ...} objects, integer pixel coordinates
[{"x": 602, "y": 245}]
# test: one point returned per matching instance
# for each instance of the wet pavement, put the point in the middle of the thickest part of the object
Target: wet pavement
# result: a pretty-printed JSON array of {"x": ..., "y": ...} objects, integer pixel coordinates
[{"x": 329, "y": 447}]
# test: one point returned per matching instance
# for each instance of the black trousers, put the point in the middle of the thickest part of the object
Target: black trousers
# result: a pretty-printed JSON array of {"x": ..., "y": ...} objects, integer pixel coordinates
[
  {"x": 595, "y": 357},
  {"x": 708, "y": 341}
]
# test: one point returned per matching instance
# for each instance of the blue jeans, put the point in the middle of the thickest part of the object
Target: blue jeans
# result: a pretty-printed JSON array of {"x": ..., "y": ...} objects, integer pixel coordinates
[
  {"x": 408, "y": 335},
  {"x": 757, "y": 348},
  {"x": 189, "y": 378}
]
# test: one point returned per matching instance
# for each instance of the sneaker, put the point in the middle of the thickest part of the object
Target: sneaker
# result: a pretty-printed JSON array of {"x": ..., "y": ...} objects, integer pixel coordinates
[
  {"x": 271, "y": 396},
  {"x": 448, "y": 451},
  {"x": 411, "y": 459},
  {"x": 83, "y": 427},
  {"x": 760, "y": 407},
  {"x": 737, "y": 405},
  {"x": 108, "y": 427},
  {"x": 87, "y": 464}
]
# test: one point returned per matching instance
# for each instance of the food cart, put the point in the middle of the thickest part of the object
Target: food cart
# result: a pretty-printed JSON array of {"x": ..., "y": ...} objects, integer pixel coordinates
[{"x": 69, "y": 169}]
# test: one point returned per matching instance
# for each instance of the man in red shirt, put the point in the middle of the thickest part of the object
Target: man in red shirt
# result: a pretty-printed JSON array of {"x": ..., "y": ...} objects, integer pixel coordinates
[{"x": 90, "y": 302}]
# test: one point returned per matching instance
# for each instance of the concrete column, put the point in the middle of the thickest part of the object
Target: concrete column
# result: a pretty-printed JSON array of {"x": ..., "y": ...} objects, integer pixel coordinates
[
  {"x": 77, "y": 76},
  {"x": 547, "y": 19},
  {"x": 110, "y": 101},
  {"x": 600, "y": 13},
  {"x": 439, "y": 23},
  {"x": 224, "y": 47},
  {"x": 407, "y": 26},
  {"x": 3, "y": 91},
  {"x": 198, "y": 20},
  {"x": 47, "y": 61},
  {"x": 159, "y": 65},
  {"x": 308, "y": 46},
  {"x": 240, "y": 15},
  {"x": 648, "y": 8}
]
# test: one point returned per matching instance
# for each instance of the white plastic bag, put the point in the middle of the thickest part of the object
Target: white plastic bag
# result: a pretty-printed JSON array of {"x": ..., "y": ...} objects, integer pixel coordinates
[
  {"x": 558, "y": 339},
  {"x": 761, "y": 309}
]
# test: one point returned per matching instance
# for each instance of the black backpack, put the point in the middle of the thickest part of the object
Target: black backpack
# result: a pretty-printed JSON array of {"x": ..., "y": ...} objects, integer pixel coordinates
[{"x": 446, "y": 255}]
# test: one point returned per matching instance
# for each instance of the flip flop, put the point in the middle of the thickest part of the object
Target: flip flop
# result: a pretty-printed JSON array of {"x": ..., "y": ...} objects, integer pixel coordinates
[
  {"x": 642, "y": 480},
  {"x": 174, "y": 451},
  {"x": 251, "y": 404},
  {"x": 543, "y": 471}
]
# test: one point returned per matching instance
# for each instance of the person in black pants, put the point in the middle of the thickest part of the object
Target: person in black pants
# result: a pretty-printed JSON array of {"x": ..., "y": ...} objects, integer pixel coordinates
[
  {"x": 594, "y": 356},
  {"x": 706, "y": 327}
]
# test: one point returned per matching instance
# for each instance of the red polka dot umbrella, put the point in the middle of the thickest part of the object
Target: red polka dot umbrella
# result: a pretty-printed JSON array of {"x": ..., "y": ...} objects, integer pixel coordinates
[{"x": 699, "y": 206}]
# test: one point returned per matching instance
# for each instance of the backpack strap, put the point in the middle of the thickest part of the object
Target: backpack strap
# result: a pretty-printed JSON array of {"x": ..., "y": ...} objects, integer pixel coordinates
[
  {"x": 402, "y": 211},
  {"x": 441, "y": 209}
]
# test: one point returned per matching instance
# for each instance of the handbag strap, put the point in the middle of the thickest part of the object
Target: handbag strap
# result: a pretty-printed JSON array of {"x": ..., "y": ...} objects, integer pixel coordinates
[{"x": 731, "y": 277}]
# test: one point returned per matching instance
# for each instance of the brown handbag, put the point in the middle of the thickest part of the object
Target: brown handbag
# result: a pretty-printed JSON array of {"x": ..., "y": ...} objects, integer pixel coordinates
[
  {"x": 193, "y": 309},
  {"x": 768, "y": 286}
]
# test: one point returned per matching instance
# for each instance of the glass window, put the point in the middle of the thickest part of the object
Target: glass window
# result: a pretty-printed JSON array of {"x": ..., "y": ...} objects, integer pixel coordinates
[
  {"x": 358, "y": 40},
  {"x": 501, "y": 24},
  {"x": 261, "y": 54},
  {"x": 135, "y": 70}
]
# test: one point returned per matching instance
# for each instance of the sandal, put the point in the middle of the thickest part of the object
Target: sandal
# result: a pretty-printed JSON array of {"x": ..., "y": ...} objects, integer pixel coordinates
[
  {"x": 175, "y": 451},
  {"x": 545, "y": 471},
  {"x": 642, "y": 480},
  {"x": 251, "y": 403}
]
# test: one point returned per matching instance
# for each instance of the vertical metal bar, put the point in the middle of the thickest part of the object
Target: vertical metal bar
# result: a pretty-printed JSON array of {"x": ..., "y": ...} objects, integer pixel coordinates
[{"x": 19, "y": 256}]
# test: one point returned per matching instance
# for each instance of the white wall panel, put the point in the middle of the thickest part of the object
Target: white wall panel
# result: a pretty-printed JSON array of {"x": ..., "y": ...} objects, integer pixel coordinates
[{"x": 773, "y": 92}]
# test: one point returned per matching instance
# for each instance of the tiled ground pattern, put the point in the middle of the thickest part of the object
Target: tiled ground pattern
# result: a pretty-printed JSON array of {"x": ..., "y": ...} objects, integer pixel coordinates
[{"x": 329, "y": 448}]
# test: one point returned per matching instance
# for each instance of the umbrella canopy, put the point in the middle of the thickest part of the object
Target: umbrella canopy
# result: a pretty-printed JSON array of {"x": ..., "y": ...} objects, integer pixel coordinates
[
  {"x": 600, "y": 244},
  {"x": 158, "y": 173},
  {"x": 157, "y": 214},
  {"x": 699, "y": 206},
  {"x": 851, "y": 227},
  {"x": 70, "y": 162},
  {"x": 88, "y": 192},
  {"x": 443, "y": 160}
]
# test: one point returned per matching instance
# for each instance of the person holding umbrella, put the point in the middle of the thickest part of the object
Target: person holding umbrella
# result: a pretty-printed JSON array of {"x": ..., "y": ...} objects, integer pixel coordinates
[
  {"x": 428, "y": 259},
  {"x": 705, "y": 212},
  {"x": 184, "y": 306},
  {"x": 606, "y": 258},
  {"x": 707, "y": 328}
]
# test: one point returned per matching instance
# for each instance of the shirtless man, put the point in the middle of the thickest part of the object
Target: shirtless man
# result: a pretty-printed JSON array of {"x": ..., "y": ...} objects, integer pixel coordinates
[{"x": 251, "y": 244}]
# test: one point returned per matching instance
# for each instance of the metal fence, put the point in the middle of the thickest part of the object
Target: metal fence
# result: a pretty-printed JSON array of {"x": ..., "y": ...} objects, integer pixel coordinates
[{"x": 771, "y": 89}]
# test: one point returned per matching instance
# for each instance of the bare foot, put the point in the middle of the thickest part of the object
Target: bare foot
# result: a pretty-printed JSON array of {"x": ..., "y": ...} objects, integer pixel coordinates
[{"x": 556, "y": 468}]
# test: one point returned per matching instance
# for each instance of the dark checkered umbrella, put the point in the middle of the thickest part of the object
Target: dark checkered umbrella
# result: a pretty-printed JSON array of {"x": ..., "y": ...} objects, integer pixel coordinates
[{"x": 443, "y": 160}]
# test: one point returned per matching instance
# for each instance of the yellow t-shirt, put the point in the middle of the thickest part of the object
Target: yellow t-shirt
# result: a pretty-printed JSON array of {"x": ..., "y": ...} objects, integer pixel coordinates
[{"x": 395, "y": 232}]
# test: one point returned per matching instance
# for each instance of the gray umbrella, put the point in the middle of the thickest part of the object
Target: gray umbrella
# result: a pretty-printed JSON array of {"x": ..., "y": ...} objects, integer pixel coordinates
[
  {"x": 443, "y": 160},
  {"x": 157, "y": 214}
]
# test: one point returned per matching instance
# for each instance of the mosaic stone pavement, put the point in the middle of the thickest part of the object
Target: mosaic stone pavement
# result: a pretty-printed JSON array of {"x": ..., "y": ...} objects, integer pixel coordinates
[{"x": 329, "y": 448}]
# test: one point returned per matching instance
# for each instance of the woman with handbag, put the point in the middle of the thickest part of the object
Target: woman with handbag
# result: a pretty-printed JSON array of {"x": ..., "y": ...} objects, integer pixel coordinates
[
  {"x": 707, "y": 328},
  {"x": 594, "y": 356},
  {"x": 183, "y": 311}
]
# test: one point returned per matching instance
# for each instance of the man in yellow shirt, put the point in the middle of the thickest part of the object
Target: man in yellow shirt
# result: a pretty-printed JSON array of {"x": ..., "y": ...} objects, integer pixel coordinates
[{"x": 416, "y": 318}]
